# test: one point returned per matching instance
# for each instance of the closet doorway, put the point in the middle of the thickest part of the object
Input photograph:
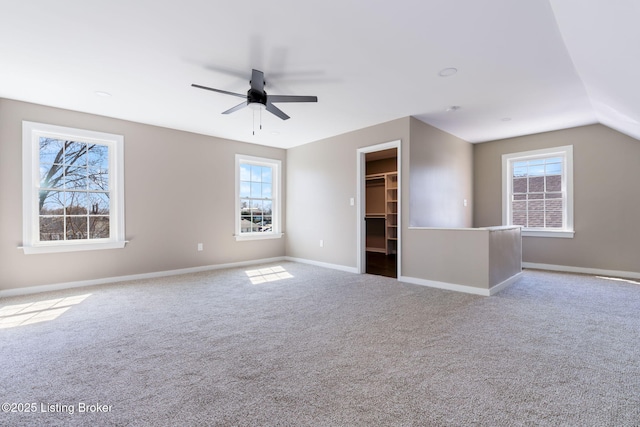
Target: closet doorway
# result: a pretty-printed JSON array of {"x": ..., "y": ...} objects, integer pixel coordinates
[{"x": 380, "y": 195}]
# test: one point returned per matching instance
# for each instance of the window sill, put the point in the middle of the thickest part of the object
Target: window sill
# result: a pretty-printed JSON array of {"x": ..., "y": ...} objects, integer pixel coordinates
[
  {"x": 258, "y": 236},
  {"x": 565, "y": 234},
  {"x": 71, "y": 247}
]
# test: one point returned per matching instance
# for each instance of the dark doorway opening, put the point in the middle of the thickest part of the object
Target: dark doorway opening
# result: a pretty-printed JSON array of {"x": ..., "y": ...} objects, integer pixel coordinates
[
  {"x": 381, "y": 264},
  {"x": 381, "y": 212}
]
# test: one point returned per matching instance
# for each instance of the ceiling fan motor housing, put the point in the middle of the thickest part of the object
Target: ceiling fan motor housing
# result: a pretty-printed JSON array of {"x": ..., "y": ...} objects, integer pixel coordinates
[{"x": 254, "y": 96}]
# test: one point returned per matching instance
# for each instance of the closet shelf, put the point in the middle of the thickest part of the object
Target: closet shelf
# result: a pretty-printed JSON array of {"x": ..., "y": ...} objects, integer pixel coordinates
[{"x": 382, "y": 204}]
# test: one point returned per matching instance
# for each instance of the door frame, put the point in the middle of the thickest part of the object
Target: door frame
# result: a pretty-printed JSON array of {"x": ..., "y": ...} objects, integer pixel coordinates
[{"x": 361, "y": 202}]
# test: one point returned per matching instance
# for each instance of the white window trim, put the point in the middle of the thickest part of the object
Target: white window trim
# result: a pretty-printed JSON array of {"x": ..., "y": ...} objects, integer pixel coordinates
[
  {"x": 276, "y": 192},
  {"x": 566, "y": 152},
  {"x": 31, "y": 132}
]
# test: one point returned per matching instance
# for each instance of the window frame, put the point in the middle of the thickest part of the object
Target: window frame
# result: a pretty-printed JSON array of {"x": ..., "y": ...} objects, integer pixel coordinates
[
  {"x": 276, "y": 191},
  {"x": 566, "y": 153},
  {"x": 31, "y": 133}
]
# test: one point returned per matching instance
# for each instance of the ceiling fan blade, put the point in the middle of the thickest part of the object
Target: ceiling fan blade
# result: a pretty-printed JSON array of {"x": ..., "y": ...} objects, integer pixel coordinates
[
  {"x": 219, "y": 91},
  {"x": 257, "y": 80},
  {"x": 292, "y": 98},
  {"x": 236, "y": 108},
  {"x": 275, "y": 110}
]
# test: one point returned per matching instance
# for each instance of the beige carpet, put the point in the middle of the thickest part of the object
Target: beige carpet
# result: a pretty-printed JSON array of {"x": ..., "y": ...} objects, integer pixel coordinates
[{"x": 307, "y": 346}]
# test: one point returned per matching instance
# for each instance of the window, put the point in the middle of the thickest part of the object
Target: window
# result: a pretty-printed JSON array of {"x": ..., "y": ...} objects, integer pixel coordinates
[
  {"x": 73, "y": 189},
  {"x": 538, "y": 191},
  {"x": 257, "y": 198}
]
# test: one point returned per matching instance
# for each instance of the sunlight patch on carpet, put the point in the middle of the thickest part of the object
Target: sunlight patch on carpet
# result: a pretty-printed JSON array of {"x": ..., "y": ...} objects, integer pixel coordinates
[
  {"x": 270, "y": 274},
  {"x": 15, "y": 315}
]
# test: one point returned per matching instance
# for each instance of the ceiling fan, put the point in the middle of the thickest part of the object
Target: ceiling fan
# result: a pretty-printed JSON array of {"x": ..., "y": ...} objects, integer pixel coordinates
[{"x": 257, "y": 98}]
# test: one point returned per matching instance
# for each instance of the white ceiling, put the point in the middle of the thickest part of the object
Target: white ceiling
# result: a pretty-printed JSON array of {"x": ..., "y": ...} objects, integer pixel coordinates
[{"x": 541, "y": 64}]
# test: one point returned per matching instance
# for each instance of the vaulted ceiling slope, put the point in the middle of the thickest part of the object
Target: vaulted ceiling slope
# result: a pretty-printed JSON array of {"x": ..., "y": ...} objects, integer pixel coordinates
[{"x": 522, "y": 66}]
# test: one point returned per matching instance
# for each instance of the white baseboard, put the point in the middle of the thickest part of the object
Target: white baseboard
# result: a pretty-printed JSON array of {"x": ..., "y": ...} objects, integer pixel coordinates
[
  {"x": 106, "y": 280},
  {"x": 500, "y": 286},
  {"x": 323, "y": 264},
  {"x": 444, "y": 285},
  {"x": 413, "y": 280},
  {"x": 461, "y": 288},
  {"x": 377, "y": 250},
  {"x": 582, "y": 270}
]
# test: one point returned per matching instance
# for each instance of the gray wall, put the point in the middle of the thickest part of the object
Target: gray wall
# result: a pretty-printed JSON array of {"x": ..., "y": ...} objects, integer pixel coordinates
[
  {"x": 606, "y": 197},
  {"x": 321, "y": 178},
  {"x": 436, "y": 176},
  {"x": 179, "y": 191},
  {"x": 471, "y": 257},
  {"x": 449, "y": 255},
  {"x": 440, "y": 178},
  {"x": 505, "y": 255}
]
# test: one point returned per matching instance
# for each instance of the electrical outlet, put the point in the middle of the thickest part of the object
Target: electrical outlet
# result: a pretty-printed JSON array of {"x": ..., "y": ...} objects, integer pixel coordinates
[
  {"x": 464, "y": 202},
  {"x": 200, "y": 247},
  {"x": 322, "y": 243}
]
